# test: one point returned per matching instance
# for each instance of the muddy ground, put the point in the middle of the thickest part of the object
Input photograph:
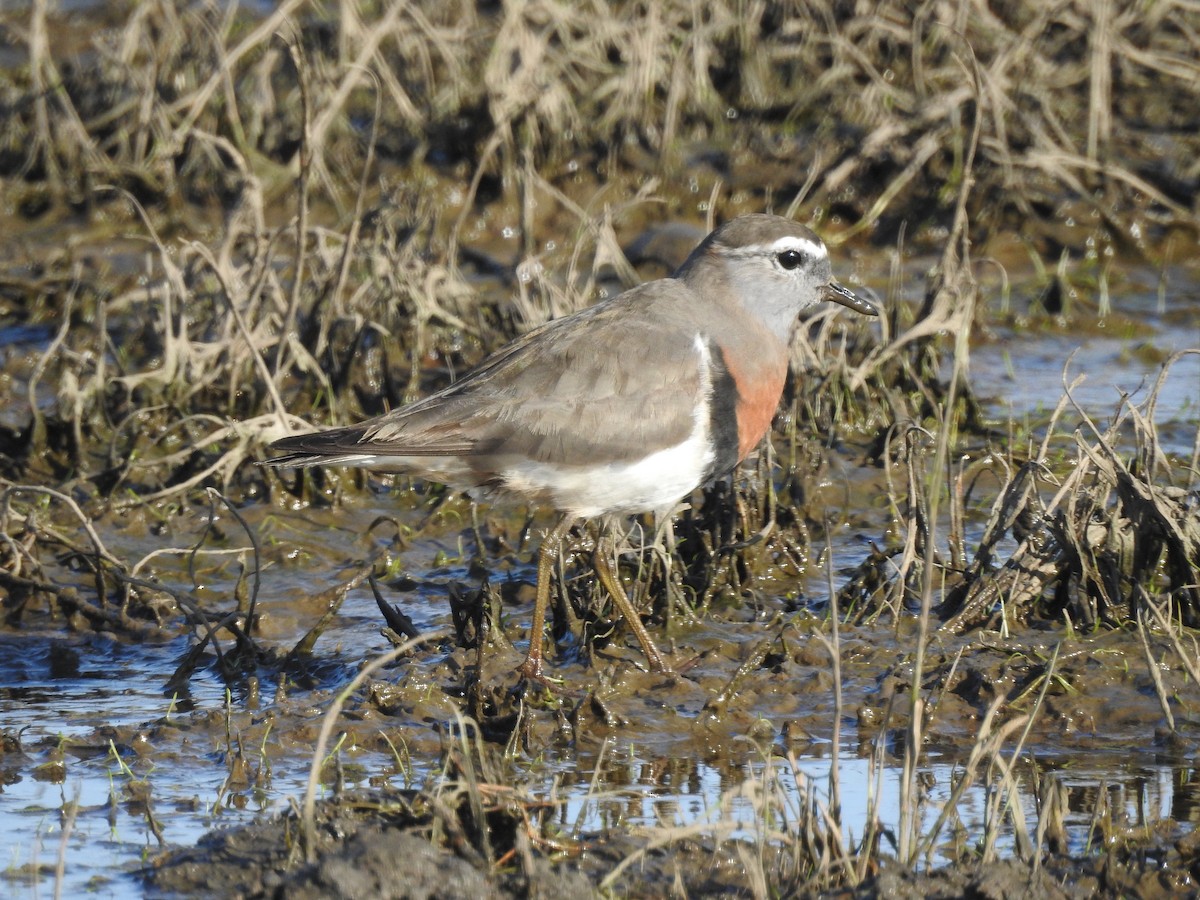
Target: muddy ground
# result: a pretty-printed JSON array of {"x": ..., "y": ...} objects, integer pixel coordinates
[{"x": 938, "y": 638}]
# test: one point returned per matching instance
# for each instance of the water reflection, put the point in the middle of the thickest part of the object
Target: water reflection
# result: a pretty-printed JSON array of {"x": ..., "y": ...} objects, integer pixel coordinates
[{"x": 131, "y": 805}]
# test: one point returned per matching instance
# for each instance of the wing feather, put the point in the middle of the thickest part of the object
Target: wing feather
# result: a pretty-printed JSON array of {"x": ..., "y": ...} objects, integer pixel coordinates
[{"x": 617, "y": 378}]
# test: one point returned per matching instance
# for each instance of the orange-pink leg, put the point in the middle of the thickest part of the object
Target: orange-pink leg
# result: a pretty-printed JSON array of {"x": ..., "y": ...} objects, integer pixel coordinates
[
  {"x": 612, "y": 584},
  {"x": 547, "y": 554}
]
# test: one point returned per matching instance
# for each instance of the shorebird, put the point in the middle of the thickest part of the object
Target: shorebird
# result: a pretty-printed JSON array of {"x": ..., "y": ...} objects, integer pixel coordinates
[{"x": 622, "y": 408}]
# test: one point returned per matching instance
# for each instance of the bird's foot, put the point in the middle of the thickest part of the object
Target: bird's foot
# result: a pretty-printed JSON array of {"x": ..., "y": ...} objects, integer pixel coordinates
[{"x": 531, "y": 670}]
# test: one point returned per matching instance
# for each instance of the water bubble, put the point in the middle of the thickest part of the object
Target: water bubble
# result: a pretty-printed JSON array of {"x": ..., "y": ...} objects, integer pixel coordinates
[
  {"x": 731, "y": 113},
  {"x": 508, "y": 232},
  {"x": 528, "y": 270}
]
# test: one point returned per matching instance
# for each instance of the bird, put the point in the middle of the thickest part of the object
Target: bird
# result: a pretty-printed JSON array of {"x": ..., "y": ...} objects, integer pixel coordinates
[{"x": 622, "y": 408}]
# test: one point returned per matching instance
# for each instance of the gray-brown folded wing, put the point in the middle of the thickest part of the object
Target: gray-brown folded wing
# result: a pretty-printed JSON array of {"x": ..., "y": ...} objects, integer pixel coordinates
[{"x": 612, "y": 382}]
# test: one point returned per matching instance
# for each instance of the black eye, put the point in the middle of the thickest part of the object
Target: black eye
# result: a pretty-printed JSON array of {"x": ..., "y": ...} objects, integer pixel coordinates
[{"x": 790, "y": 259}]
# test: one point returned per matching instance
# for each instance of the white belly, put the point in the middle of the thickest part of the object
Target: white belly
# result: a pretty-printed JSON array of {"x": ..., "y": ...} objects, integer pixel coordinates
[{"x": 652, "y": 483}]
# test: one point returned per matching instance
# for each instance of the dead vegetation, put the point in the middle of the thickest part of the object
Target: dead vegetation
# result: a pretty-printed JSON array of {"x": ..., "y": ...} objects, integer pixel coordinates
[
  {"x": 354, "y": 173},
  {"x": 313, "y": 216},
  {"x": 1120, "y": 530}
]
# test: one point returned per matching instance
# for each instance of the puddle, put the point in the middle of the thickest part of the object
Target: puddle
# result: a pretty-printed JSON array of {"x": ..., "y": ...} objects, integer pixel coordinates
[
  {"x": 90, "y": 696},
  {"x": 1021, "y": 374},
  {"x": 105, "y": 702},
  {"x": 639, "y": 795},
  {"x": 121, "y": 136},
  {"x": 615, "y": 786}
]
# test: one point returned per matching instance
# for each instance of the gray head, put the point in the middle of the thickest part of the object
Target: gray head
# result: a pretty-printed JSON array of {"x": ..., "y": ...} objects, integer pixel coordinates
[{"x": 774, "y": 267}]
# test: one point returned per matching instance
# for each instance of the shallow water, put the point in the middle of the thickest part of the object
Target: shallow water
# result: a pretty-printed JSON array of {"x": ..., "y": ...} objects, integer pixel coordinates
[
  {"x": 96, "y": 724},
  {"x": 1023, "y": 374},
  {"x": 621, "y": 783}
]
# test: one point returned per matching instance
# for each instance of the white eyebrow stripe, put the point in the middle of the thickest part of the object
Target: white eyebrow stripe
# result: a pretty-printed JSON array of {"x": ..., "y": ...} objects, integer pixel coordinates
[
  {"x": 815, "y": 250},
  {"x": 804, "y": 245}
]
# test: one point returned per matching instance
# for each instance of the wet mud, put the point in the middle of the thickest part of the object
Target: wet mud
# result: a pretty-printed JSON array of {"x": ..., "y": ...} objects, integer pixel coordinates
[{"x": 938, "y": 638}]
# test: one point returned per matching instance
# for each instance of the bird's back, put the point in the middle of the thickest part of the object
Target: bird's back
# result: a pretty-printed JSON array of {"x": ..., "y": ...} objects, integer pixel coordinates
[{"x": 588, "y": 393}]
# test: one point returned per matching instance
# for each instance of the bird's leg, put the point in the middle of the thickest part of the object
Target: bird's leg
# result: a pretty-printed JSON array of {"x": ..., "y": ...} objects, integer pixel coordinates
[
  {"x": 612, "y": 584},
  {"x": 531, "y": 668},
  {"x": 664, "y": 546}
]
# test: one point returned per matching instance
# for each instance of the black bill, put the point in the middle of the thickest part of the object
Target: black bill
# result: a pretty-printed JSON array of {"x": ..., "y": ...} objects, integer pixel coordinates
[{"x": 848, "y": 298}]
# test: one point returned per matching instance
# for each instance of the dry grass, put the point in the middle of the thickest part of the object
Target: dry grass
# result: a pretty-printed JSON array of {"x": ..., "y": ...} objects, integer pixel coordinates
[
  {"x": 350, "y": 164},
  {"x": 296, "y": 217},
  {"x": 1120, "y": 530}
]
